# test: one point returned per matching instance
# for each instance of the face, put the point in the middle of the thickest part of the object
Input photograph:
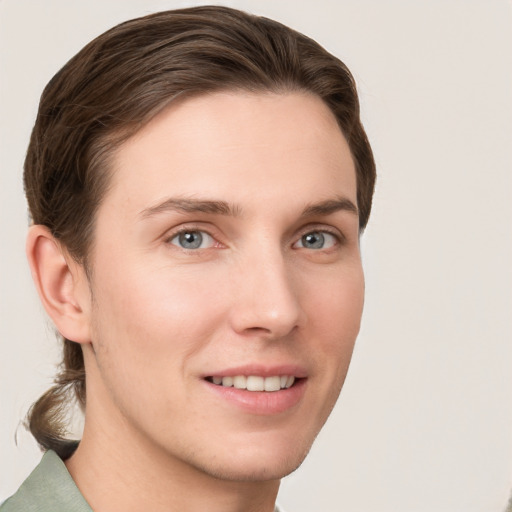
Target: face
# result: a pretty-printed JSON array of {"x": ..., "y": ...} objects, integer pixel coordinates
[{"x": 227, "y": 284}]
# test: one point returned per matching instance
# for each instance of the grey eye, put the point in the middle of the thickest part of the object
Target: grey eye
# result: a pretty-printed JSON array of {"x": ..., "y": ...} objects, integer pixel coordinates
[
  {"x": 192, "y": 240},
  {"x": 313, "y": 240},
  {"x": 316, "y": 240}
]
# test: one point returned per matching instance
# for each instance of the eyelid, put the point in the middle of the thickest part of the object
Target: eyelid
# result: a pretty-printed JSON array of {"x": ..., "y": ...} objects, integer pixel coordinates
[
  {"x": 205, "y": 238},
  {"x": 299, "y": 244},
  {"x": 208, "y": 230},
  {"x": 322, "y": 228},
  {"x": 185, "y": 228}
]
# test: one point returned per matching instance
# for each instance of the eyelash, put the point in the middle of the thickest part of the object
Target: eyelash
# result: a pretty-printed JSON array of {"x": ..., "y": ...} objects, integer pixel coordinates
[
  {"x": 338, "y": 236},
  {"x": 188, "y": 229}
]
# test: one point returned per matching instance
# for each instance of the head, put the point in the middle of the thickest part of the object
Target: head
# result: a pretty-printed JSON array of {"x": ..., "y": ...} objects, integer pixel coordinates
[{"x": 187, "y": 82}]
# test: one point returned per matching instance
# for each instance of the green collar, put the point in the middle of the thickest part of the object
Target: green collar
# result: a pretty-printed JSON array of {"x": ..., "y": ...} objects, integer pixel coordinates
[{"x": 49, "y": 488}]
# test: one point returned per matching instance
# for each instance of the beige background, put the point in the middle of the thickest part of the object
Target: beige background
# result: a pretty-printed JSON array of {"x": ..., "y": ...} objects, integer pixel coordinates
[{"x": 425, "y": 420}]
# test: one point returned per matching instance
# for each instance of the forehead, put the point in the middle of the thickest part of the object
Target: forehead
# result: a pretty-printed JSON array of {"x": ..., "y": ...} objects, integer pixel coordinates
[{"x": 238, "y": 147}]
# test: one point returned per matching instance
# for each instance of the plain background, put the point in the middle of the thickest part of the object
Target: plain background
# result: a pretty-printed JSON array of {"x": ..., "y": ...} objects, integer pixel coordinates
[{"x": 424, "y": 422}]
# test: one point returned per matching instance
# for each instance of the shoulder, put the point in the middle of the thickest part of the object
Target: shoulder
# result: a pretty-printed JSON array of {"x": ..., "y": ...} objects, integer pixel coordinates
[{"x": 49, "y": 488}]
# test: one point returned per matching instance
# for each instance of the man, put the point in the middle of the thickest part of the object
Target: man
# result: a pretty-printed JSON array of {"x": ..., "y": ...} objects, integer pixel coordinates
[{"x": 198, "y": 181}]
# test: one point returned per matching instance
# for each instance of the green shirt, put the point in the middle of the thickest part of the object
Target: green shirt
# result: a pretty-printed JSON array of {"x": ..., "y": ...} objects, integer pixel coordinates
[{"x": 49, "y": 488}]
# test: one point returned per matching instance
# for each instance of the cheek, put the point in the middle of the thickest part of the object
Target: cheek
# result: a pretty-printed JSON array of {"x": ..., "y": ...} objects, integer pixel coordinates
[
  {"x": 154, "y": 319},
  {"x": 335, "y": 317},
  {"x": 147, "y": 326},
  {"x": 337, "y": 307}
]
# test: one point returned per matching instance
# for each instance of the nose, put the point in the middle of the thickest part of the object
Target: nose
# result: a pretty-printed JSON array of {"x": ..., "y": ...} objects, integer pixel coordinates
[{"x": 266, "y": 301}]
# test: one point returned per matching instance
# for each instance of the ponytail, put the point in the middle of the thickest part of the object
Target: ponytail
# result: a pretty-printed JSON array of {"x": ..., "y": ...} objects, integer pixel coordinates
[{"x": 47, "y": 418}]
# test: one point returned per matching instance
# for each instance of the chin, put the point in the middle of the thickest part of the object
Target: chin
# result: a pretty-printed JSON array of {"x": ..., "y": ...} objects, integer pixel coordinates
[
  {"x": 243, "y": 471},
  {"x": 257, "y": 462}
]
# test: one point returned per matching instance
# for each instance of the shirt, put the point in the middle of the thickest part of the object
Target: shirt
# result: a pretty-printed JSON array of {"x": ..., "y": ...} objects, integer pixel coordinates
[{"x": 49, "y": 488}]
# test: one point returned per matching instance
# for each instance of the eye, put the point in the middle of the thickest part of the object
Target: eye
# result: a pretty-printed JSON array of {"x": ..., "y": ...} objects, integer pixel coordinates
[
  {"x": 316, "y": 240},
  {"x": 192, "y": 239}
]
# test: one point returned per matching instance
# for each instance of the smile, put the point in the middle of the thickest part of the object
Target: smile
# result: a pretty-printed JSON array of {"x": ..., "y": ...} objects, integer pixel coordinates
[{"x": 254, "y": 382}]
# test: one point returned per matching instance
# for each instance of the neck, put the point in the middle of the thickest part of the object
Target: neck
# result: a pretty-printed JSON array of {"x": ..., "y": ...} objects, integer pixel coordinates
[{"x": 117, "y": 470}]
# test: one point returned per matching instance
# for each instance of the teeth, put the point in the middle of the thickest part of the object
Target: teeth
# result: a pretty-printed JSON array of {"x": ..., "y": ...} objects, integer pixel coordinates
[
  {"x": 227, "y": 381},
  {"x": 272, "y": 384},
  {"x": 255, "y": 382},
  {"x": 240, "y": 382}
]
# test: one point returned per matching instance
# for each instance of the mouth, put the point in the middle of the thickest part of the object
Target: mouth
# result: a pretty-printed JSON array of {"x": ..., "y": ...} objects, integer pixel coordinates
[
  {"x": 254, "y": 382},
  {"x": 257, "y": 389}
]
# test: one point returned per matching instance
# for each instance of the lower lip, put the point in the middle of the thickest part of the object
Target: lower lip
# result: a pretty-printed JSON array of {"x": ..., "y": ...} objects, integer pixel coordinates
[{"x": 261, "y": 402}]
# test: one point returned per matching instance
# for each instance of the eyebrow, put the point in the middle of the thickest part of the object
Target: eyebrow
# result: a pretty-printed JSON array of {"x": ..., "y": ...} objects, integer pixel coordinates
[
  {"x": 187, "y": 205},
  {"x": 330, "y": 206},
  {"x": 192, "y": 206}
]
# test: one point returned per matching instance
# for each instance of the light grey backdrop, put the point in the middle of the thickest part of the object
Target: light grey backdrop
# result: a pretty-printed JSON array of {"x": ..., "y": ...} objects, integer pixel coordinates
[{"x": 425, "y": 420}]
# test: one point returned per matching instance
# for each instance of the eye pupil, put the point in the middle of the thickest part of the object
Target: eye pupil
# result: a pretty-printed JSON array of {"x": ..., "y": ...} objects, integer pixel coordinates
[
  {"x": 190, "y": 239},
  {"x": 314, "y": 240}
]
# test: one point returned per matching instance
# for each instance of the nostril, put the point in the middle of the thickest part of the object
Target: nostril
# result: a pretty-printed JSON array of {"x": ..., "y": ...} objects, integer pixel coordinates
[{"x": 257, "y": 330}]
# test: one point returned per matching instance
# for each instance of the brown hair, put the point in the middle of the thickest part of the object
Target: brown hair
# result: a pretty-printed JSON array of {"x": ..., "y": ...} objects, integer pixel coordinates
[{"x": 116, "y": 84}]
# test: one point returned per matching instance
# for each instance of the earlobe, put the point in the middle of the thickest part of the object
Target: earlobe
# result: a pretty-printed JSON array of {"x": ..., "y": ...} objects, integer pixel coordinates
[{"x": 61, "y": 283}]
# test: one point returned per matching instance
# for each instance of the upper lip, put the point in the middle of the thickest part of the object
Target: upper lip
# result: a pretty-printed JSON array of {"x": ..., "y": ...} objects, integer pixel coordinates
[{"x": 260, "y": 370}]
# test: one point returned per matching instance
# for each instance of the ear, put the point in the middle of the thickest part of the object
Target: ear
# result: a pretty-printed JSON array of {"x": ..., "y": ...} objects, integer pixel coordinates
[{"x": 61, "y": 283}]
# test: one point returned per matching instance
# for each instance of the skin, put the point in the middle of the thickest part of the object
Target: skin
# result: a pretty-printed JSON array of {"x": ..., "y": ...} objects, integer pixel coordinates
[{"x": 155, "y": 318}]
